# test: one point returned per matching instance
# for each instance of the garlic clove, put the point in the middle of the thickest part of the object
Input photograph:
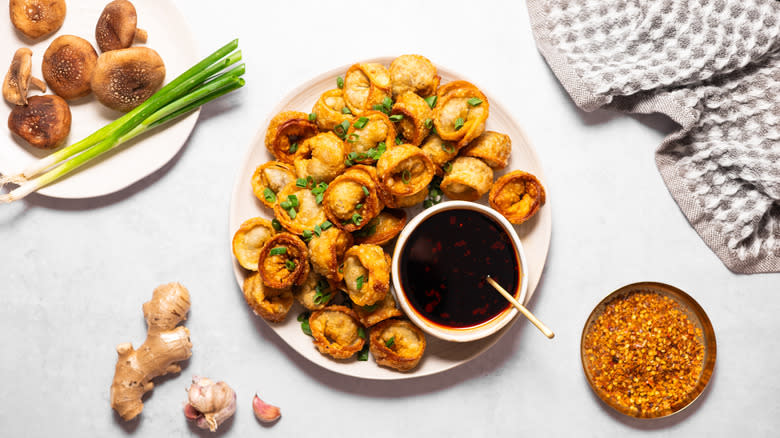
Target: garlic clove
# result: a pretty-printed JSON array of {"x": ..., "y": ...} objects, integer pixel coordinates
[{"x": 264, "y": 411}]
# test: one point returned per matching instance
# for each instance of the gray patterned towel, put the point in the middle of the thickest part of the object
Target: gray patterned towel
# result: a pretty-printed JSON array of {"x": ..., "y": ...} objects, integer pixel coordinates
[{"x": 713, "y": 66}]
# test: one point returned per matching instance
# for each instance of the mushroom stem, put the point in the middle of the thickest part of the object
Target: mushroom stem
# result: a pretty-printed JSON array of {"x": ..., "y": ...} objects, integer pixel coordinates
[
  {"x": 141, "y": 36},
  {"x": 38, "y": 84}
]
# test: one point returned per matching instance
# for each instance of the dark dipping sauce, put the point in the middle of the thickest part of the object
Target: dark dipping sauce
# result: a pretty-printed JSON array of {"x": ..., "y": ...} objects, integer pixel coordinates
[{"x": 444, "y": 264}]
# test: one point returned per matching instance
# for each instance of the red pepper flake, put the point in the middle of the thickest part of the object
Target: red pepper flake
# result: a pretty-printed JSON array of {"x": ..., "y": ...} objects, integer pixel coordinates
[
  {"x": 498, "y": 246},
  {"x": 460, "y": 243}
]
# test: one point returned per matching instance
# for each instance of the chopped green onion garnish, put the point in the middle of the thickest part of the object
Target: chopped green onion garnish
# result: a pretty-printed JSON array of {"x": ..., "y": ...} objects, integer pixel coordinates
[
  {"x": 301, "y": 182},
  {"x": 448, "y": 148},
  {"x": 370, "y": 308},
  {"x": 341, "y": 129},
  {"x": 396, "y": 117},
  {"x": 429, "y": 123},
  {"x": 358, "y": 206},
  {"x": 363, "y": 353},
  {"x": 325, "y": 225},
  {"x": 317, "y": 230},
  {"x": 474, "y": 101},
  {"x": 353, "y": 138},
  {"x": 292, "y": 213},
  {"x": 359, "y": 282},
  {"x": 365, "y": 190},
  {"x": 340, "y": 82},
  {"x": 290, "y": 265},
  {"x": 447, "y": 167},
  {"x": 303, "y": 318},
  {"x": 346, "y": 110},
  {"x": 306, "y": 235},
  {"x": 276, "y": 224},
  {"x": 427, "y": 203},
  {"x": 387, "y": 102},
  {"x": 362, "y": 332},
  {"x": 285, "y": 205},
  {"x": 406, "y": 176},
  {"x": 279, "y": 250},
  {"x": 269, "y": 195},
  {"x": 368, "y": 230},
  {"x": 293, "y": 200},
  {"x": 389, "y": 343},
  {"x": 312, "y": 117},
  {"x": 399, "y": 140},
  {"x": 357, "y": 219},
  {"x": 431, "y": 101},
  {"x": 360, "y": 123},
  {"x": 459, "y": 122},
  {"x": 293, "y": 148}
]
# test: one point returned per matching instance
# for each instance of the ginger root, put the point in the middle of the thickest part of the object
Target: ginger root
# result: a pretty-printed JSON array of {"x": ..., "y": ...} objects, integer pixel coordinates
[
  {"x": 210, "y": 404},
  {"x": 165, "y": 345}
]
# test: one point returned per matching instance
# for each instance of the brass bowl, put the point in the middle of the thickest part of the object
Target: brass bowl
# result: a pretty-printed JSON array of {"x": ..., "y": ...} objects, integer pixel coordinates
[{"x": 694, "y": 312}]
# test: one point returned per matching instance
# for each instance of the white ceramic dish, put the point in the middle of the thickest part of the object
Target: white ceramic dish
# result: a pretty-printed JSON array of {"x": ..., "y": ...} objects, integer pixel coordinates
[
  {"x": 169, "y": 35},
  {"x": 458, "y": 334},
  {"x": 439, "y": 355}
]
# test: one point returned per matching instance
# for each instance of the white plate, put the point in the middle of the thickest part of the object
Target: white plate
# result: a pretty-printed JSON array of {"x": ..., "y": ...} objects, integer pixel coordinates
[
  {"x": 439, "y": 355},
  {"x": 169, "y": 35}
]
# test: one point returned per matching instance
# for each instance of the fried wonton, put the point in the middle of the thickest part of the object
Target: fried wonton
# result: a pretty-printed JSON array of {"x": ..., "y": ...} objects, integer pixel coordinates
[
  {"x": 397, "y": 344},
  {"x": 352, "y": 200},
  {"x": 286, "y": 132},
  {"x": 249, "y": 240},
  {"x": 316, "y": 292},
  {"x": 269, "y": 179},
  {"x": 468, "y": 179},
  {"x": 518, "y": 196},
  {"x": 336, "y": 331},
  {"x": 366, "y": 274},
  {"x": 297, "y": 208},
  {"x": 383, "y": 228},
  {"x": 330, "y": 110},
  {"x": 271, "y": 304},
  {"x": 365, "y": 85},
  {"x": 416, "y": 117},
  {"x": 439, "y": 151},
  {"x": 405, "y": 170},
  {"x": 322, "y": 158},
  {"x": 326, "y": 252},
  {"x": 283, "y": 261},
  {"x": 368, "y": 136},
  {"x": 491, "y": 147},
  {"x": 413, "y": 73},
  {"x": 460, "y": 113},
  {"x": 378, "y": 312}
]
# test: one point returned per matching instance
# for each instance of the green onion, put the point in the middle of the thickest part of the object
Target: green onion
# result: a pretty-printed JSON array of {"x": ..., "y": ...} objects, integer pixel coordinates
[
  {"x": 474, "y": 101},
  {"x": 459, "y": 122},
  {"x": 351, "y": 157},
  {"x": 352, "y": 138},
  {"x": 285, "y": 205},
  {"x": 362, "y": 332},
  {"x": 276, "y": 224},
  {"x": 370, "y": 308},
  {"x": 431, "y": 101},
  {"x": 312, "y": 117},
  {"x": 293, "y": 201},
  {"x": 357, "y": 219},
  {"x": 429, "y": 123},
  {"x": 205, "y": 81},
  {"x": 406, "y": 176},
  {"x": 301, "y": 182},
  {"x": 399, "y": 140},
  {"x": 359, "y": 282},
  {"x": 325, "y": 225},
  {"x": 396, "y": 117},
  {"x": 290, "y": 265},
  {"x": 279, "y": 250},
  {"x": 293, "y": 148},
  {"x": 363, "y": 353},
  {"x": 448, "y": 148},
  {"x": 368, "y": 230},
  {"x": 389, "y": 343},
  {"x": 346, "y": 110},
  {"x": 358, "y": 206},
  {"x": 306, "y": 235},
  {"x": 341, "y": 129},
  {"x": 269, "y": 195},
  {"x": 387, "y": 103},
  {"x": 365, "y": 190},
  {"x": 319, "y": 191},
  {"x": 317, "y": 230},
  {"x": 375, "y": 153},
  {"x": 447, "y": 167},
  {"x": 360, "y": 123},
  {"x": 340, "y": 82},
  {"x": 434, "y": 193},
  {"x": 292, "y": 213},
  {"x": 303, "y": 318}
]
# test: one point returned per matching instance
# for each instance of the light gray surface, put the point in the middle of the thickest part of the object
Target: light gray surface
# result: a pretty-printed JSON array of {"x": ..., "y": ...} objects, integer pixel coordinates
[{"x": 73, "y": 275}]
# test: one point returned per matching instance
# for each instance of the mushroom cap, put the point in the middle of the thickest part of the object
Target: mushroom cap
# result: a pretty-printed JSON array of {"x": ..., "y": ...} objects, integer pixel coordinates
[
  {"x": 116, "y": 26},
  {"x": 125, "y": 78},
  {"x": 68, "y": 65},
  {"x": 44, "y": 122},
  {"x": 17, "y": 80},
  {"x": 36, "y": 18}
]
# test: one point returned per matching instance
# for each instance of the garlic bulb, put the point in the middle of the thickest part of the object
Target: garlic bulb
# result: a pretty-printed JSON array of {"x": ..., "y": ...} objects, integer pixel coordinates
[{"x": 210, "y": 404}]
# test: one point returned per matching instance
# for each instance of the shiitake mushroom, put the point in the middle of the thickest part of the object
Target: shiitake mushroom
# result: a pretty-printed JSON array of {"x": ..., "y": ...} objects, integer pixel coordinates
[
  {"x": 36, "y": 18},
  {"x": 116, "y": 27},
  {"x": 68, "y": 65},
  {"x": 44, "y": 122},
  {"x": 19, "y": 78},
  {"x": 125, "y": 78}
]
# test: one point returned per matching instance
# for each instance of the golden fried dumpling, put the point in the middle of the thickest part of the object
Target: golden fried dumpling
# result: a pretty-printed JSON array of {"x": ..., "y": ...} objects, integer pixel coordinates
[
  {"x": 397, "y": 344},
  {"x": 286, "y": 132},
  {"x": 330, "y": 110},
  {"x": 518, "y": 196},
  {"x": 249, "y": 240},
  {"x": 297, "y": 208},
  {"x": 460, "y": 113},
  {"x": 378, "y": 312},
  {"x": 365, "y": 85},
  {"x": 404, "y": 170},
  {"x": 413, "y": 73},
  {"x": 416, "y": 117},
  {"x": 352, "y": 200},
  {"x": 283, "y": 261},
  {"x": 326, "y": 252},
  {"x": 491, "y": 147},
  {"x": 366, "y": 274},
  {"x": 322, "y": 158},
  {"x": 336, "y": 332},
  {"x": 410, "y": 200},
  {"x": 316, "y": 292},
  {"x": 468, "y": 179},
  {"x": 439, "y": 151},
  {"x": 269, "y": 303},
  {"x": 383, "y": 228},
  {"x": 368, "y": 135},
  {"x": 269, "y": 179}
]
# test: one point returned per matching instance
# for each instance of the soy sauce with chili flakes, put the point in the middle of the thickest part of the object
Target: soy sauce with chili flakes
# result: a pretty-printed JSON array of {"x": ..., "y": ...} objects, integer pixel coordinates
[{"x": 444, "y": 264}]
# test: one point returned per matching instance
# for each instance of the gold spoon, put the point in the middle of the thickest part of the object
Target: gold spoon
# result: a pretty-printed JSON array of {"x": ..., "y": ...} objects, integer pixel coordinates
[{"x": 539, "y": 324}]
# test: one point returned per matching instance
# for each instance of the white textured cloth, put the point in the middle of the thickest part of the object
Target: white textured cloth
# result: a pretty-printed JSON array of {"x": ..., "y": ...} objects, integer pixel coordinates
[{"x": 713, "y": 66}]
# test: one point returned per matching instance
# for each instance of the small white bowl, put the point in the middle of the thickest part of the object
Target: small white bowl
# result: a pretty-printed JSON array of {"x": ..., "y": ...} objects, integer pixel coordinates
[{"x": 455, "y": 334}]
